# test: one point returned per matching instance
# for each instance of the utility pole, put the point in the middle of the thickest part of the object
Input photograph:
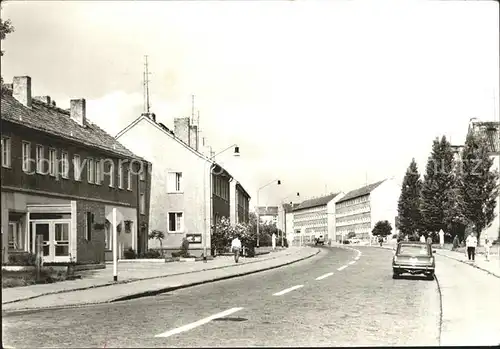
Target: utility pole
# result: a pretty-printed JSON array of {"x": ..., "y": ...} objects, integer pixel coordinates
[{"x": 146, "y": 85}]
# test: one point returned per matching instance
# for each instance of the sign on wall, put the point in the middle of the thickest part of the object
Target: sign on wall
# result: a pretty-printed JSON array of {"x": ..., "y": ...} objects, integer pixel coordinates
[{"x": 194, "y": 238}]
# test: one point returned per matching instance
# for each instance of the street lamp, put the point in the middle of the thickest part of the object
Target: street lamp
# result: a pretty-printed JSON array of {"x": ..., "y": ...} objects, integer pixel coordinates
[
  {"x": 210, "y": 160},
  {"x": 258, "y": 215}
]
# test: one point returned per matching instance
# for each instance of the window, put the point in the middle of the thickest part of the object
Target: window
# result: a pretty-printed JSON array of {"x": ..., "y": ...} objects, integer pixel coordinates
[
  {"x": 174, "y": 182},
  {"x": 64, "y": 165},
  {"x": 6, "y": 152},
  {"x": 26, "y": 156},
  {"x": 98, "y": 172},
  {"x": 175, "y": 221},
  {"x": 14, "y": 235},
  {"x": 142, "y": 203},
  {"x": 52, "y": 161},
  {"x": 88, "y": 226},
  {"x": 111, "y": 172},
  {"x": 129, "y": 177},
  {"x": 39, "y": 159},
  {"x": 120, "y": 174},
  {"x": 90, "y": 170},
  {"x": 77, "y": 167}
]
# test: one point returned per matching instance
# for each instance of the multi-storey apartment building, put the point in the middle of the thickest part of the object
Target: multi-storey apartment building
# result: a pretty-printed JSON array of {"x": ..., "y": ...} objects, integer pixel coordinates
[
  {"x": 189, "y": 191},
  {"x": 360, "y": 209},
  {"x": 315, "y": 217},
  {"x": 268, "y": 214},
  {"x": 286, "y": 220},
  {"x": 61, "y": 178}
]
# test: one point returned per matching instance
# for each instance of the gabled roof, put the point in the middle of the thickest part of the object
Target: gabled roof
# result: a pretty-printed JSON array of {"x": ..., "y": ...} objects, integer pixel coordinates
[
  {"x": 316, "y": 202},
  {"x": 238, "y": 184},
  {"x": 289, "y": 208},
  {"x": 360, "y": 192},
  {"x": 56, "y": 121}
]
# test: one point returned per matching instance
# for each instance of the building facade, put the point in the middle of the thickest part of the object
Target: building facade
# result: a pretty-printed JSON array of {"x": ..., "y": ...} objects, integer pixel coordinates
[
  {"x": 61, "y": 178},
  {"x": 241, "y": 203},
  {"x": 268, "y": 214},
  {"x": 286, "y": 220},
  {"x": 314, "y": 218},
  {"x": 189, "y": 191},
  {"x": 360, "y": 209}
]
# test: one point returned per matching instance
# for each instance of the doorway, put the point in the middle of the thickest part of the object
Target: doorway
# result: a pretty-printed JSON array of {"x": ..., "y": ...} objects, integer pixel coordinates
[{"x": 55, "y": 239}]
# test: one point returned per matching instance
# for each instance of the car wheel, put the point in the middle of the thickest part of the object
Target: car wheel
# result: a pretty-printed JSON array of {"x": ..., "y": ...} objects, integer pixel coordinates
[
  {"x": 430, "y": 276},
  {"x": 395, "y": 275}
]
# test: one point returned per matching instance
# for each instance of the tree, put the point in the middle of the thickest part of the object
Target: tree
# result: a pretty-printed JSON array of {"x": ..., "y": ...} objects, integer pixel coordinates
[
  {"x": 438, "y": 181},
  {"x": 158, "y": 235},
  {"x": 409, "y": 213},
  {"x": 351, "y": 235},
  {"x": 382, "y": 228},
  {"x": 478, "y": 185},
  {"x": 5, "y": 28}
]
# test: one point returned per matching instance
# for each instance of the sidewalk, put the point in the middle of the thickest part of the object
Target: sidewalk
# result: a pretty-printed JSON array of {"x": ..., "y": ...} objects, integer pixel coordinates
[
  {"x": 142, "y": 279},
  {"x": 491, "y": 267},
  {"x": 470, "y": 306}
]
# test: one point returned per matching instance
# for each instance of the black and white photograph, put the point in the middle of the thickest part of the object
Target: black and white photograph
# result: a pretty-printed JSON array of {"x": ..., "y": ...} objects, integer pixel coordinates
[{"x": 250, "y": 173}]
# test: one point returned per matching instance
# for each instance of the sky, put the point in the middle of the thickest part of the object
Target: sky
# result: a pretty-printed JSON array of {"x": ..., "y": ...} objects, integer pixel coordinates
[{"x": 324, "y": 95}]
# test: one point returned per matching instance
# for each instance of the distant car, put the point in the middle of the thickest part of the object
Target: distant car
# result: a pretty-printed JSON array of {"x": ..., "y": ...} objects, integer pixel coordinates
[
  {"x": 413, "y": 258},
  {"x": 320, "y": 240},
  {"x": 354, "y": 241}
]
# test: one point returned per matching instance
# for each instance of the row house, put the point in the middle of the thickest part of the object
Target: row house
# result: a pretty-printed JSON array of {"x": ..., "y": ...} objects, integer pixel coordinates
[
  {"x": 315, "y": 217},
  {"x": 360, "y": 209},
  {"x": 61, "y": 178},
  {"x": 189, "y": 190}
]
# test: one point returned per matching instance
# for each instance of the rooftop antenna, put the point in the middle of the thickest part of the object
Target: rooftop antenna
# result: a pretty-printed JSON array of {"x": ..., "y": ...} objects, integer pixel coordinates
[
  {"x": 146, "y": 85},
  {"x": 198, "y": 119}
]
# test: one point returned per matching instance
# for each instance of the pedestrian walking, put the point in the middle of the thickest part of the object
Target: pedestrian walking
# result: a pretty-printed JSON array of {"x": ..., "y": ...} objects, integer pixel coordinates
[
  {"x": 471, "y": 244},
  {"x": 456, "y": 243},
  {"x": 235, "y": 248},
  {"x": 429, "y": 240},
  {"x": 487, "y": 247},
  {"x": 422, "y": 238}
]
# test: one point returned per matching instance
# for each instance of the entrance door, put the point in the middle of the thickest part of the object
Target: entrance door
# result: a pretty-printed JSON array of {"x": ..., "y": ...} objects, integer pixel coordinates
[{"x": 55, "y": 239}]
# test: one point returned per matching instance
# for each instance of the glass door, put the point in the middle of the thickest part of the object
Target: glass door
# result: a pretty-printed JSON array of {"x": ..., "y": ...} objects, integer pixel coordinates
[
  {"x": 61, "y": 240},
  {"x": 55, "y": 239},
  {"x": 43, "y": 228}
]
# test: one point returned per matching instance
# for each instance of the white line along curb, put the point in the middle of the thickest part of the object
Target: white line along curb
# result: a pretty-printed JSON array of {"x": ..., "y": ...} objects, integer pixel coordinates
[
  {"x": 324, "y": 276},
  {"x": 352, "y": 262},
  {"x": 342, "y": 267},
  {"x": 288, "y": 290},
  {"x": 197, "y": 323}
]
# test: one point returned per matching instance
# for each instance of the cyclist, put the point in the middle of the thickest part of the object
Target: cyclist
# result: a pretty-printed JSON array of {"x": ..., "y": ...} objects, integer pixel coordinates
[{"x": 235, "y": 248}]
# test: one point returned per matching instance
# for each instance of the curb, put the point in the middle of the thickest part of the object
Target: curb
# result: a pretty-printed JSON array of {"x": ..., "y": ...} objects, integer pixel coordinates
[
  {"x": 173, "y": 288},
  {"x": 111, "y": 283},
  {"x": 471, "y": 265},
  {"x": 155, "y": 292}
]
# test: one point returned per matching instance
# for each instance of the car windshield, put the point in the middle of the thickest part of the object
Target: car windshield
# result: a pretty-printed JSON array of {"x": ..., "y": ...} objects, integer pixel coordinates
[{"x": 414, "y": 250}]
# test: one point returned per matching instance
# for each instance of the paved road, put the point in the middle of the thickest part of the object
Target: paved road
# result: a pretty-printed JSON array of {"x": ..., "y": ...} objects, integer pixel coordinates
[{"x": 358, "y": 305}]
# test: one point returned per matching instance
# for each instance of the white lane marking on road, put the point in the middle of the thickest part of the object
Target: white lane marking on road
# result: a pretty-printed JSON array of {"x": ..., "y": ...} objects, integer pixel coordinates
[
  {"x": 197, "y": 323},
  {"x": 352, "y": 262},
  {"x": 324, "y": 276},
  {"x": 287, "y": 290},
  {"x": 342, "y": 267}
]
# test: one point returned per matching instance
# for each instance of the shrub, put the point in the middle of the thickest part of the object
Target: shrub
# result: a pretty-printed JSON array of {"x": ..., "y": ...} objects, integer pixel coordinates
[
  {"x": 22, "y": 259},
  {"x": 130, "y": 254},
  {"x": 152, "y": 254},
  {"x": 185, "y": 248}
]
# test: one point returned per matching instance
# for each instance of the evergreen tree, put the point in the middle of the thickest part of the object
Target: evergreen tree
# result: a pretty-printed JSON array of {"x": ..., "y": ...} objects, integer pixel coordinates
[
  {"x": 409, "y": 215},
  {"x": 438, "y": 181},
  {"x": 478, "y": 183}
]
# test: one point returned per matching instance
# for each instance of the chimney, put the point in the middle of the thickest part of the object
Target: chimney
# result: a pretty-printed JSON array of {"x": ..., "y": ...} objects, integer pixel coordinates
[
  {"x": 194, "y": 137},
  {"x": 77, "y": 111},
  {"x": 44, "y": 99},
  {"x": 22, "y": 90},
  {"x": 182, "y": 129}
]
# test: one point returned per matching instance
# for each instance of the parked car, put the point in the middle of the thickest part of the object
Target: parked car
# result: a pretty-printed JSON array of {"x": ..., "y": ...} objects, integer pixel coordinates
[
  {"x": 320, "y": 240},
  {"x": 413, "y": 258}
]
